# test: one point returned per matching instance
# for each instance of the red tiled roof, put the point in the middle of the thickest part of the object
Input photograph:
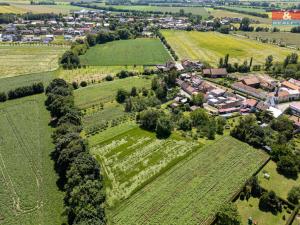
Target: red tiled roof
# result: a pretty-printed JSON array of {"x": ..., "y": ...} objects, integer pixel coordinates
[{"x": 290, "y": 85}]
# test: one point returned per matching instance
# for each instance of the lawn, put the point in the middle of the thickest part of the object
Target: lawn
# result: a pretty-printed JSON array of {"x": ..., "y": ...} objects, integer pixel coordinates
[
  {"x": 96, "y": 73},
  {"x": 277, "y": 182},
  {"x": 9, "y": 83},
  {"x": 106, "y": 91},
  {"x": 28, "y": 191},
  {"x": 250, "y": 208},
  {"x": 141, "y": 51},
  {"x": 132, "y": 158},
  {"x": 25, "y": 59},
  {"x": 210, "y": 46},
  {"x": 192, "y": 191}
]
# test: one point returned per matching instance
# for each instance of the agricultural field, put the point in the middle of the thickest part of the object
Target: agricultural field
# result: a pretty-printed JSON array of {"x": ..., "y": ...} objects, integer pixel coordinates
[
  {"x": 287, "y": 38},
  {"x": 277, "y": 182},
  {"x": 218, "y": 13},
  {"x": 141, "y": 51},
  {"x": 211, "y": 46},
  {"x": 136, "y": 156},
  {"x": 192, "y": 191},
  {"x": 26, "y": 59},
  {"x": 28, "y": 191},
  {"x": 10, "y": 9},
  {"x": 24, "y": 7},
  {"x": 106, "y": 91},
  {"x": 247, "y": 9},
  {"x": 173, "y": 9},
  {"x": 250, "y": 208},
  {"x": 9, "y": 83},
  {"x": 96, "y": 73}
]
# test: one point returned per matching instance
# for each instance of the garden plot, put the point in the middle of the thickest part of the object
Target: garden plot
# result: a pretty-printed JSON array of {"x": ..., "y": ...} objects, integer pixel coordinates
[
  {"x": 193, "y": 190},
  {"x": 135, "y": 157}
]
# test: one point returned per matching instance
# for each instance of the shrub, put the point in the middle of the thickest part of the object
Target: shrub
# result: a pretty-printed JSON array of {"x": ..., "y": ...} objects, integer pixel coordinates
[
  {"x": 109, "y": 78},
  {"x": 3, "y": 97},
  {"x": 83, "y": 83}
]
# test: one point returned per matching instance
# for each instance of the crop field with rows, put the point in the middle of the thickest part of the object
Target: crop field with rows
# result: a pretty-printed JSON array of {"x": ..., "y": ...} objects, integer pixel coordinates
[
  {"x": 28, "y": 190},
  {"x": 25, "y": 59},
  {"x": 140, "y": 51},
  {"x": 192, "y": 191},
  {"x": 211, "y": 46},
  {"x": 135, "y": 157}
]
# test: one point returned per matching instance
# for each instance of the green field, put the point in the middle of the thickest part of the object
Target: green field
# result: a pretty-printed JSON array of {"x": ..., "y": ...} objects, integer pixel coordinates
[
  {"x": 106, "y": 91},
  {"x": 277, "y": 182},
  {"x": 251, "y": 208},
  {"x": 192, "y": 191},
  {"x": 210, "y": 46},
  {"x": 141, "y": 51},
  {"x": 287, "y": 38},
  {"x": 28, "y": 191},
  {"x": 194, "y": 10},
  {"x": 25, "y": 59},
  {"x": 10, "y": 9},
  {"x": 132, "y": 158},
  {"x": 9, "y": 83}
]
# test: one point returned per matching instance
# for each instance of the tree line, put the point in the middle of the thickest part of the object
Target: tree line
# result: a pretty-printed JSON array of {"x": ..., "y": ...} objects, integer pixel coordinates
[
  {"x": 35, "y": 88},
  {"x": 278, "y": 135},
  {"x": 79, "y": 173},
  {"x": 164, "y": 41}
]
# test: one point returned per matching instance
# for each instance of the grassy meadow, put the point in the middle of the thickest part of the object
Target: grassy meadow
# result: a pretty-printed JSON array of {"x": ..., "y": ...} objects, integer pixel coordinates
[
  {"x": 26, "y": 59},
  {"x": 141, "y": 51},
  {"x": 9, "y": 83},
  {"x": 106, "y": 91},
  {"x": 278, "y": 183},
  {"x": 28, "y": 191},
  {"x": 251, "y": 208},
  {"x": 192, "y": 191},
  {"x": 210, "y": 46},
  {"x": 11, "y": 9}
]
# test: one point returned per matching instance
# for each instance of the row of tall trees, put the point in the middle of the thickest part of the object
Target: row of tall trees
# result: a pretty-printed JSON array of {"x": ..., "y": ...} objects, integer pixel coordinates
[
  {"x": 79, "y": 173},
  {"x": 242, "y": 68},
  {"x": 35, "y": 88}
]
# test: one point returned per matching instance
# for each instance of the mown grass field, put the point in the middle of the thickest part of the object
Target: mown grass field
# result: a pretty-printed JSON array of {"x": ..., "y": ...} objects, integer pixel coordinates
[
  {"x": 25, "y": 59},
  {"x": 28, "y": 191},
  {"x": 132, "y": 158},
  {"x": 290, "y": 39},
  {"x": 95, "y": 72},
  {"x": 106, "y": 91},
  {"x": 277, "y": 182},
  {"x": 141, "y": 51},
  {"x": 9, "y": 83},
  {"x": 210, "y": 46},
  {"x": 193, "y": 190},
  {"x": 250, "y": 208}
]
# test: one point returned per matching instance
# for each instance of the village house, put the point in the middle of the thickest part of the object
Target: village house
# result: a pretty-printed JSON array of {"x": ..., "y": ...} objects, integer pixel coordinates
[
  {"x": 239, "y": 86},
  {"x": 215, "y": 73},
  {"x": 295, "y": 108}
]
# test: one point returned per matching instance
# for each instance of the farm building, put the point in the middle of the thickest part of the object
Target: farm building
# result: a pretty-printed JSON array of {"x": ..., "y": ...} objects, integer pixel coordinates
[
  {"x": 215, "y": 73},
  {"x": 295, "y": 108}
]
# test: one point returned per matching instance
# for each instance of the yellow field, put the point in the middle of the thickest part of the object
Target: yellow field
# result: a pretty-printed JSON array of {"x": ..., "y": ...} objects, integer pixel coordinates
[
  {"x": 18, "y": 60},
  {"x": 10, "y": 9},
  {"x": 95, "y": 73},
  {"x": 210, "y": 46}
]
